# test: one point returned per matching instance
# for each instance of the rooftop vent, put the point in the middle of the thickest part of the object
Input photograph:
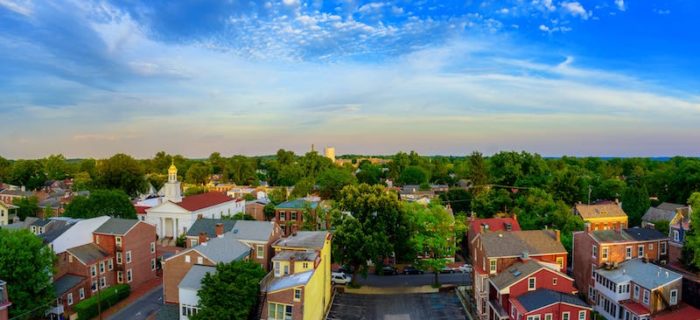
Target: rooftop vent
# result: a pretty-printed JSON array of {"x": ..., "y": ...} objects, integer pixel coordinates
[{"x": 509, "y": 226}]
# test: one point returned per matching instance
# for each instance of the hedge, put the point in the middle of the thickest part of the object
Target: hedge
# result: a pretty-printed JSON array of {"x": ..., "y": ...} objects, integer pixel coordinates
[{"x": 87, "y": 309}]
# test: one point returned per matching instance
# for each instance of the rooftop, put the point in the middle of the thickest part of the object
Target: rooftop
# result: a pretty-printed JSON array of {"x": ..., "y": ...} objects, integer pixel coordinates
[
  {"x": 494, "y": 224},
  {"x": 684, "y": 312},
  {"x": 515, "y": 243},
  {"x": 252, "y": 230},
  {"x": 88, "y": 253},
  {"x": 193, "y": 278},
  {"x": 117, "y": 226},
  {"x": 224, "y": 249},
  {"x": 290, "y": 281},
  {"x": 204, "y": 200},
  {"x": 540, "y": 298},
  {"x": 631, "y": 234},
  {"x": 663, "y": 212},
  {"x": 297, "y": 255},
  {"x": 635, "y": 307},
  {"x": 599, "y": 210},
  {"x": 304, "y": 239},
  {"x": 297, "y": 204},
  {"x": 51, "y": 235},
  {"x": 647, "y": 275},
  {"x": 209, "y": 227},
  {"x": 65, "y": 283},
  {"x": 515, "y": 273}
]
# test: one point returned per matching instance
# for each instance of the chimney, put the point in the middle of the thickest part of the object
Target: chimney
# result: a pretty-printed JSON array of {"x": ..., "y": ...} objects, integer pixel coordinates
[
  {"x": 515, "y": 217},
  {"x": 587, "y": 227},
  {"x": 200, "y": 216},
  {"x": 291, "y": 265},
  {"x": 203, "y": 238},
  {"x": 618, "y": 227},
  {"x": 557, "y": 234},
  {"x": 219, "y": 230}
]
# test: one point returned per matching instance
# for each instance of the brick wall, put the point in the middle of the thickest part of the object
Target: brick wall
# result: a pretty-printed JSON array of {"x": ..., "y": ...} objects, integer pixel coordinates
[
  {"x": 174, "y": 269},
  {"x": 284, "y": 297}
]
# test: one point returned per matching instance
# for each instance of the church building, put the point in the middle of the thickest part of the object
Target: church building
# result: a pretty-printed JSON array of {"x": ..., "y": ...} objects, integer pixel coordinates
[{"x": 176, "y": 214}]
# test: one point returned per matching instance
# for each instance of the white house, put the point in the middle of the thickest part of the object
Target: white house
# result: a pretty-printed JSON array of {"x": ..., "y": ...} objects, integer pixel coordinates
[
  {"x": 175, "y": 215},
  {"x": 74, "y": 235}
]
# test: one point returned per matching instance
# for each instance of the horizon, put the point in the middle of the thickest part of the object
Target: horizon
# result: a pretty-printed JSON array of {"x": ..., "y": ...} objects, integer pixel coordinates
[{"x": 602, "y": 78}]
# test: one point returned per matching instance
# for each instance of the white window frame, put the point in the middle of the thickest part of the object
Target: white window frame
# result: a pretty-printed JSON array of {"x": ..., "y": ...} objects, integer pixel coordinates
[
  {"x": 277, "y": 268},
  {"x": 651, "y": 246},
  {"x": 102, "y": 267},
  {"x": 662, "y": 247},
  {"x": 676, "y": 235},
  {"x": 110, "y": 264},
  {"x": 493, "y": 266},
  {"x": 594, "y": 251},
  {"x": 128, "y": 256},
  {"x": 628, "y": 252},
  {"x": 635, "y": 292},
  {"x": 531, "y": 284},
  {"x": 260, "y": 251},
  {"x": 645, "y": 297},
  {"x": 604, "y": 253},
  {"x": 200, "y": 260},
  {"x": 119, "y": 257},
  {"x": 69, "y": 298},
  {"x": 640, "y": 251},
  {"x": 187, "y": 259},
  {"x": 153, "y": 247},
  {"x": 93, "y": 270},
  {"x": 582, "y": 315},
  {"x": 548, "y": 316},
  {"x": 118, "y": 241},
  {"x": 554, "y": 281},
  {"x": 193, "y": 243},
  {"x": 81, "y": 293},
  {"x": 129, "y": 276},
  {"x": 673, "y": 297},
  {"x": 153, "y": 264},
  {"x": 566, "y": 315},
  {"x": 103, "y": 282},
  {"x": 533, "y": 317},
  {"x": 120, "y": 277},
  {"x": 297, "y": 290}
]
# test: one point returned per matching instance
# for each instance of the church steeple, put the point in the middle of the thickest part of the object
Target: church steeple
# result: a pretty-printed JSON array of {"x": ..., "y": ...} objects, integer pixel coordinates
[
  {"x": 172, "y": 187},
  {"x": 172, "y": 172}
]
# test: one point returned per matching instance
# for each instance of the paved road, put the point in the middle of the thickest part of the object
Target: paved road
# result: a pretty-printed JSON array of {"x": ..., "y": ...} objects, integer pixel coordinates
[
  {"x": 143, "y": 307},
  {"x": 434, "y": 306},
  {"x": 414, "y": 279}
]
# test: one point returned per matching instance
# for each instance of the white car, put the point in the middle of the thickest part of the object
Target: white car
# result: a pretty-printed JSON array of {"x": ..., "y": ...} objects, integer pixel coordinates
[
  {"x": 464, "y": 268},
  {"x": 340, "y": 278}
]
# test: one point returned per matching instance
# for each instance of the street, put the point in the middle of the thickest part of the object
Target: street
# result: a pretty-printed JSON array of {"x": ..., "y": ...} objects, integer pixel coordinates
[
  {"x": 143, "y": 307},
  {"x": 414, "y": 280}
]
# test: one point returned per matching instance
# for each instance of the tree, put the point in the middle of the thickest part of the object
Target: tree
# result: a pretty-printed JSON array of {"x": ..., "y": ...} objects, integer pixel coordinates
[
  {"x": 278, "y": 195},
  {"x": 303, "y": 188},
  {"x": 369, "y": 173},
  {"x": 459, "y": 199},
  {"x": 269, "y": 211},
  {"x": 26, "y": 264},
  {"x": 242, "y": 170},
  {"x": 28, "y": 207},
  {"x": 82, "y": 181},
  {"x": 533, "y": 208},
  {"x": 48, "y": 211},
  {"x": 194, "y": 190},
  {"x": 5, "y": 169},
  {"x": 198, "y": 173},
  {"x": 121, "y": 172},
  {"x": 28, "y": 173},
  {"x": 55, "y": 167},
  {"x": 478, "y": 171},
  {"x": 691, "y": 247},
  {"x": 113, "y": 203},
  {"x": 413, "y": 175},
  {"x": 332, "y": 180},
  {"x": 231, "y": 292},
  {"x": 635, "y": 202}
]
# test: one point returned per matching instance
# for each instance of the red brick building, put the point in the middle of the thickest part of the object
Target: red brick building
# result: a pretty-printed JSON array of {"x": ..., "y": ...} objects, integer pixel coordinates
[
  {"x": 80, "y": 272},
  {"x": 546, "y": 304},
  {"x": 476, "y": 226},
  {"x": 290, "y": 214}
]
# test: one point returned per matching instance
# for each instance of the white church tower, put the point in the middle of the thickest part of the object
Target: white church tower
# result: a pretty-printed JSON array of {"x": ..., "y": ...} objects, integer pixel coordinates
[{"x": 172, "y": 187}]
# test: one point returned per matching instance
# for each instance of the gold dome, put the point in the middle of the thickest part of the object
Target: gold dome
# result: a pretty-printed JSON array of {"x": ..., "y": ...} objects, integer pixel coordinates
[{"x": 173, "y": 168}]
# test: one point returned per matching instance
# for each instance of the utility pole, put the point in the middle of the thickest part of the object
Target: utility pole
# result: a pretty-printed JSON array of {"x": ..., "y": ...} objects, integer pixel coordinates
[
  {"x": 99, "y": 300},
  {"x": 590, "y": 188}
]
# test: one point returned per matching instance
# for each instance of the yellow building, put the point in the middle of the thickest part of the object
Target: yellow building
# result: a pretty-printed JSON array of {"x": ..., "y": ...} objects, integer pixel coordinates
[
  {"x": 299, "y": 286},
  {"x": 602, "y": 216}
]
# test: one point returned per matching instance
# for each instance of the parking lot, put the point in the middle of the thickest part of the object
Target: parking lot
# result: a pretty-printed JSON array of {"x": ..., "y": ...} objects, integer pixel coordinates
[{"x": 396, "y": 307}]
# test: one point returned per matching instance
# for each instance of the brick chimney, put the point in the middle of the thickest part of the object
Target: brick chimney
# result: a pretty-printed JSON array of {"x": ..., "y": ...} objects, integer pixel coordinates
[
  {"x": 219, "y": 230},
  {"x": 203, "y": 238},
  {"x": 587, "y": 227},
  {"x": 291, "y": 265},
  {"x": 515, "y": 217},
  {"x": 200, "y": 216},
  {"x": 557, "y": 235}
]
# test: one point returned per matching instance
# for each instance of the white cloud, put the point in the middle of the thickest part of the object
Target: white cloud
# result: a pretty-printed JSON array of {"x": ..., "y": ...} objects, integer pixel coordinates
[
  {"x": 620, "y": 5},
  {"x": 290, "y": 2},
  {"x": 662, "y": 12},
  {"x": 544, "y": 28},
  {"x": 575, "y": 9},
  {"x": 371, "y": 7},
  {"x": 21, "y": 7}
]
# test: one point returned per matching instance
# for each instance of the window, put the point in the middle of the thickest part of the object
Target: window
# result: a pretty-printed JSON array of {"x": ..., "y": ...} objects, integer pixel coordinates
[
  {"x": 531, "y": 284},
  {"x": 188, "y": 310},
  {"x": 294, "y": 215},
  {"x": 492, "y": 266},
  {"x": 103, "y": 282},
  {"x": 636, "y": 292},
  {"x": 605, "y": 254},
  {"x": 119, "y": 257},
  {"x": 70, "y": 299},
  {"x": 297, "y": 294},
  {"x": 97, "y": 239},
  {"x": 512, "y": 312},
  {"x": 70, "y": 258},
  {"x": 662, "y": 247},
  {"x": 286, "y": 269},
  {"x": 153, "y": 247},
  {"x": 153, "y": 264},
  {"x": 628, "y": 253},
  {"x": 110, "y": 265},
  {"x": 102, "y": 267},
  {"x": 640, "y": 251},
  {"x": 646, "y": 297},
  {"x": 118, "y": 241},
  {"x": 128, "y": 256},
  {"x": 674, "y": 297},
  {"x": 554, "y": 281},
  {"x": 582, "y": 315},
  {"x": 595, "y": 252},
  {"x": 676, "y": 236},
  {"x": 651, "y": 246},
  {"x": 93, "y": 286},
  {"x": 283, "y": 216},
  {"x": 200, "y": 260},
  {"x": 276, "y": 311},
  {"x": 187, "y": 259},
  {"x": 93, "y": 270},
  {"x": 560, "y": 262},
  {"x": 260, "y": 251},
  {"x": 535, "y": 317},
  {"x": 305, "y": 265},
  {"x": 548, "y": 316},
  {"x": 120, "y": 277},
  {"x": 128, "y": 275},
  {"x": 81, "y": 292},
  {"x": 277, "y": 269},
  {"x": 565, "y": 315},
  {"x": 193, "y": 243}
]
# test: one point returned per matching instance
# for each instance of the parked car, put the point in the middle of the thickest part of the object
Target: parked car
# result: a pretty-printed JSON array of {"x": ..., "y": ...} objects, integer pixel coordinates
[
  {"x": 412, "y": 270},
  {"x": 344, "y": 269},
  {"x": 467, "y": 268},
  {"x": 389, "y": 270},
  {"x": 340, "y": 278},
  {"x": 447, "y": 269}
]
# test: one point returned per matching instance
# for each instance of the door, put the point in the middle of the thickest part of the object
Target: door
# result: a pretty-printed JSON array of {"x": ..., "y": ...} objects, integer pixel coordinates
[{"x": 168, "y": 227}]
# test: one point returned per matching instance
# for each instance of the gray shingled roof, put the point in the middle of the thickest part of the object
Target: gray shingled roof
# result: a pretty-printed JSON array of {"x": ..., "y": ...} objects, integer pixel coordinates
[
  {"x": 252, "y": 230},
  {"x": 298, "y": 256},
  {"x": 647, "y": 275},
  {"x": 514, "y": 243},
  {"x": 657, "y": 214},
  {"x": 224, "y": 249},
  {"x": 88, "y": 253},
  {"x": 668, "y": 206},
  {"x": 51, "y": 235},
  {"x": 193, "y": 278},
  {"x": 644, "y": 234},
  {"x": 41, "y": 222},
  {"x": 631, "y": 234},
  {"x": 515, "y": 273},
  {"x": 65, "y": 283},
  {"x": 117, "y": 226},
  {"x": 304, "y": 239},
  {"x": 209, "y": 226},
  {"x": 544, "y": 297}
]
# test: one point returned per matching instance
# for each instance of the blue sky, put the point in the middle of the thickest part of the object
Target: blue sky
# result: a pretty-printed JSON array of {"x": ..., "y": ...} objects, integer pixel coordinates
[{"x": 605, "y": 77}]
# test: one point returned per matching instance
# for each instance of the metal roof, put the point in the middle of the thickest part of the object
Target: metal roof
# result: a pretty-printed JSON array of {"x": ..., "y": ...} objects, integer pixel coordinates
[
  {"x": 647, "y": 275},
  {"x": 252, "y": 230},
  {"x": 297, "y": 204},
  {"x": 88, "y": 253},
  {"x": 304, "y": 239},
  {"x": 193, "y": 278},
  {"x": 224, "y": 249},
  {"x": 540, "y": 298},
  {"x": 290, "y": 281},
  {"x": 117, "y": 226},
  {"x": 65, "y": 283}
]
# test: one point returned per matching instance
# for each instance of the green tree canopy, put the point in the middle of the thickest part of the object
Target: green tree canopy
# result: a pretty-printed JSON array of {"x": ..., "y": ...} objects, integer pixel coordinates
[
  {"x": 231, "y": 292},
  {"x": 28, "y": 207},
  {"x": 332, "y": 180},
  {"x": 198, "y": 173},
  {"x": 26, "y": 264},
  {"x": 413, "y": 175},
  {"x": 113, "y": 203},
  {"x": 28, "y": 173},
  {"x": 121, "y": 172}
]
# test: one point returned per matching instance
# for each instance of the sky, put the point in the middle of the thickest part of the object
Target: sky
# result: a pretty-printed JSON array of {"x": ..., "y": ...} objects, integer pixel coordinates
[{"x": 583, "y": 78}]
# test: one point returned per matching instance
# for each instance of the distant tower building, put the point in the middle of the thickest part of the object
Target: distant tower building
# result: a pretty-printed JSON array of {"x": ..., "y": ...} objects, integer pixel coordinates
[
  {"x": 330, "y": 153},
  {"x": 172, "y": 187}
]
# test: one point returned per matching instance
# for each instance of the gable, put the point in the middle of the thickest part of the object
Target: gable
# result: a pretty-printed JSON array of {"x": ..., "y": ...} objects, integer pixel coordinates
[{"x": 167, "y": 207}]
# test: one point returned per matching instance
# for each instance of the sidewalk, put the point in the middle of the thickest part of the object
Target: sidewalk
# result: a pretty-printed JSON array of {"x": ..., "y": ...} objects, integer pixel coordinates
[
  {"x": 391, "y": 290},
  {"x": 135, "y": 295}
]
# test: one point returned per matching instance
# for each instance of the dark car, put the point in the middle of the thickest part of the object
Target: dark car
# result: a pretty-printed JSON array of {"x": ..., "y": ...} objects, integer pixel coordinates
[
  {"x": 344, "y": 269},
  {"x": 447, "y": 270},
  {"x": 389, "y": 270},
  {"x": 412, "y": 270}
]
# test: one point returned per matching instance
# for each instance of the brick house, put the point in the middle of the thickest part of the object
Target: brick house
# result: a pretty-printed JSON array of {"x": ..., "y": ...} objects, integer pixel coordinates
[
  {"x": 132, "y": 243},
  {"x": 208, "y": 227},
  {"x": 677, "y": 229},
  {"x": 476, "y": 226},
  {"x": 80, "y": 272},
  {"x": 606, "y": 215},
  {"x": 494, "y": 252},
  {"x": 599, "y": 248},
  {"x": 546, "y": 304},
  {"x": 256, "y": 209},
  {"x": 9, "y": 195},
  {"x": 299, "y": 287},
  {"x": 290, "y": 214}
]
